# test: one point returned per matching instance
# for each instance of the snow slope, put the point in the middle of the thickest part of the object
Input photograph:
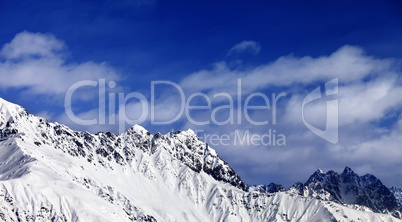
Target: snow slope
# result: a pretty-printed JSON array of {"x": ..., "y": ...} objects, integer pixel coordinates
[{"x": 49, "y": 172}]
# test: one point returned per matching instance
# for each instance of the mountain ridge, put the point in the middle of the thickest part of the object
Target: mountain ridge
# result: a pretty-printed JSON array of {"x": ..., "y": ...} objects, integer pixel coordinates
[
  {"x": 134, "y": 176},
  {"x": 350, "y": 188}
]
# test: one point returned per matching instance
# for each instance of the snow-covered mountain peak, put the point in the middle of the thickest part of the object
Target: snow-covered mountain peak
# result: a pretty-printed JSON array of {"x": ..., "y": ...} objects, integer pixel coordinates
[
  {"x": 10, "y": 111},
  {"x": 189, "y": 132},
  {"x": 183, "y": 134},
  {"x": 349, "y": 188},
  {"x": 49, "y": 172},
  {"x": 101, "y": 147},
  {"x": 138, "y": 128},
  {"x": 348, "y": 171},
  {"x": 4, "y": 104}
]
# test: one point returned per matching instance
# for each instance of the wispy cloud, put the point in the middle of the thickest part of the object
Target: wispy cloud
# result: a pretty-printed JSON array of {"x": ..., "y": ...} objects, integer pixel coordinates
[
  {"x": 245, "y": 46},
  {"x": 347, "y": 63}
]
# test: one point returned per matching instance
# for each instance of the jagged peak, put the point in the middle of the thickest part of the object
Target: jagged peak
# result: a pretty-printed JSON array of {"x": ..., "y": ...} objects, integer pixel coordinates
[
  {"x": 8, "y": 109},
  {"x": 319, "y": 171},
  {"x": 330, "y": 172},
  {"x": 137, "y": 128},
  {"x": 97, "y": 148},
  {"x": 349, "y": 188},
  {"x": 13, "y": 111},
  {"x": 396, "y": 189},
  {"x": 188, "y": 133},
  {"x": 348, "y": 170}
]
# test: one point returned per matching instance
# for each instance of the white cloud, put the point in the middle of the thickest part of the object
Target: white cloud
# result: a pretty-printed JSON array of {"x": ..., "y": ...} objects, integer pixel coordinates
[
  {"x": 26, "y": 44},
  {"x": 369, "y": 101},
  {"x": 245, "y": 46},
  {"x": 348, "y": 64},
  {"x": 35, "y": 62},
  {"x": 369, "y": 91},
  {"x": 359, "y": 102}
]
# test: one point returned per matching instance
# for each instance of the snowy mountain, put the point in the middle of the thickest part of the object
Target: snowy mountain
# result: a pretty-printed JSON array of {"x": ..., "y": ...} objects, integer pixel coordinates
[
  {"x": 351, "y": 189},
  {"x": 49, "y": 172}
]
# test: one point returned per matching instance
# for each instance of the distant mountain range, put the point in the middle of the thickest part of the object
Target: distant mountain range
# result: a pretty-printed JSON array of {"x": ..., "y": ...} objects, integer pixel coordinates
[{"x": 49, "y": 172}]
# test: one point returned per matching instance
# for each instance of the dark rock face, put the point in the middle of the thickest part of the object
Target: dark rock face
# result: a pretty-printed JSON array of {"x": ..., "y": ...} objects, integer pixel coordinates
[
  {"x": 186, "y": 147},
  {"x": 221, "y": 171},
  {"x": 190, "y": 150},
  {"x": 297, "y": 188},
  {"x": 350, "y": 188},
  {"x": 397, "y": 192},
  {"x": 270, "y": 188}
]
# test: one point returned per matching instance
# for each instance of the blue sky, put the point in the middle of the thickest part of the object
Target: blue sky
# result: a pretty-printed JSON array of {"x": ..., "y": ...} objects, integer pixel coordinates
[{"x": 272, "y": 46}]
